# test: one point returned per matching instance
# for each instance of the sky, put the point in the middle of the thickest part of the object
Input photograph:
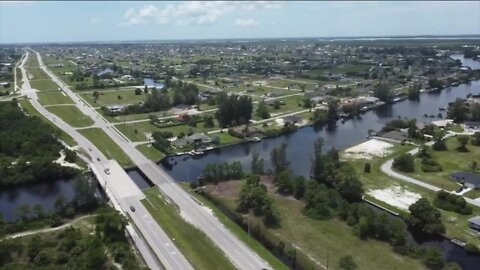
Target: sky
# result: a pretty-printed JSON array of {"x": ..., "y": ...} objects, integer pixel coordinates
[{"x": 32, "y": 22}]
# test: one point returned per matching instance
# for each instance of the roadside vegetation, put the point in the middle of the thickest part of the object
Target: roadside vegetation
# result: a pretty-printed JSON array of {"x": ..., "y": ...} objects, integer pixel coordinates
[
  {"x": 27, "y": 149},
  {"x": 199, "y": 250},
  {"x": 108, "y": 147}
]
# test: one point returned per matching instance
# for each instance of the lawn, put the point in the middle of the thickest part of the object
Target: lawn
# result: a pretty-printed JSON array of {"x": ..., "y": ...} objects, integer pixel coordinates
[
  {"x": 238, "y": 231},
  {"x": 316, "y": 241},
  {"x": 291, "y": 105},
  {"x": 133, "y": 117},
  {"x": 451, "y": 161},
  {"x": 198, "y": 249},
  {"x": 456, "y": 224},
  {"x": 36, "y": 73},
  {"x": 111, "y": 98},
  {"x": 150, "y": 152},
  {"x": 145, "y": 128},
  {"x": 51, "y": 98},
  {"x": 27, "y": 106},
  {"x": 108, "y": 147},
  {"x": 71, "y": 115},
  {"x": 44, "y": 85}
]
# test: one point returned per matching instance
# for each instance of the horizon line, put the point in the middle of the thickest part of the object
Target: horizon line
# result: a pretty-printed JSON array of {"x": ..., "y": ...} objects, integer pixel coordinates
[{"x": 321, "y": 38}]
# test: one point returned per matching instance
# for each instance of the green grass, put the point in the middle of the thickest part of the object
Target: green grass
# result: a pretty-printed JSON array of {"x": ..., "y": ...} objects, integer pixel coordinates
[
  {"x": 108, "y": 147},
  {"x": 226, "y": 138},
  {"x": 36, "y": 73},
  {"x": 456, "y": 224},
  {"x": 44, "y": 85},
  {"x": 27, "y": 106},
  {"x": 150, "y": 152},
  {"x": 199, "y": 250},
  {"x": 238, "y": 231},
  {"x": 316, "y": 240},
  {"x": 51, "y": 98},
  {"x": 451, "y": 161},
  {"x": 71, "y": 115},
  {"x": 111, "y": 98},
  {"x": 144, "y": 128}
]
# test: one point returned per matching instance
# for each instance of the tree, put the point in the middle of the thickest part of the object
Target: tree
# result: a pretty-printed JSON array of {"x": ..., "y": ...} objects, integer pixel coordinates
[
  {"x": 233, "y": 109},
  {"x": 60, "y": 204},
  {"x": 425, "y": 217},
  {"x": 404, "y": 163},
  {"x": 138, "y": 91},
  {"x": 23, "y": 212},
  {"x": 347, "y": 263},
  {"x": 284, "y": 183},
  {"x": 299, "y": 187},
  {"x": 277, "y": 104},
  {"x": 433, "y": 258},
  {"x": 95, "y": 95},
  {"x": 257, "y": 164},
  {"x": 458, "y": 111},
  {"x": 462, "y": 140},
  {"x": 307, "y": 103},
  {"x": 367, "y": 167},
  {"x": 279, "y": 158},
  {"x": 476, "y": 139},
  {"x": 317, "y": 160},
  {"x": 262, "y": 110},
  {"x": 39, "y": 211},
  {"x": 383, "y": 92},
  {"x": 208, "y": 121},
  {"x": 332, "y": 111},
  {"x": 303, "y": 87}
]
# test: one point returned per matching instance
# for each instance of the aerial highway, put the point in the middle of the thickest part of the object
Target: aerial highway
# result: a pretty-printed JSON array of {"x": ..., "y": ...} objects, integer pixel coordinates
[
  {"x": 125, "y": 192},
  {"x": 236, "y": 250}
]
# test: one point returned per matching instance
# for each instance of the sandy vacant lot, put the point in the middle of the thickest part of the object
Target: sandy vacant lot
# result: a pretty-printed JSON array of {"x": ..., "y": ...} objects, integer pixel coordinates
[
  {"x": 396, "y": 196},
  {"x": 369, "y": 149}
]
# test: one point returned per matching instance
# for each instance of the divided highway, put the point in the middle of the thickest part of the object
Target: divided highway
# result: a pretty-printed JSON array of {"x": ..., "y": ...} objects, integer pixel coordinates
[
  {"x": 158, "y": 240},
  {"x": 236, "y": 250}
]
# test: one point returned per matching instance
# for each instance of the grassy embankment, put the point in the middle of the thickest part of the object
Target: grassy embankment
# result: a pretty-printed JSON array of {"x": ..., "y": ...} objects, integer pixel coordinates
[
  {"x": 199, "y": 250},
  {"x": 316, "y": 242},
  {"x": 108, "y": 147}
]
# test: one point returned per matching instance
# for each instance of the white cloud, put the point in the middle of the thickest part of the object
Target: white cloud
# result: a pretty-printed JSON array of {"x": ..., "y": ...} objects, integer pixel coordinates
[
  {"x": 94, "y": 20},
  {"x": 246, "y": 22},
  {"x": 194, "y": 12}
]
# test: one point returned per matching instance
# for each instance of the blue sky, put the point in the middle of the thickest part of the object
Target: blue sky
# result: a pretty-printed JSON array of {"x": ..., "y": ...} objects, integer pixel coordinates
[{"x": 105, "y": 21}]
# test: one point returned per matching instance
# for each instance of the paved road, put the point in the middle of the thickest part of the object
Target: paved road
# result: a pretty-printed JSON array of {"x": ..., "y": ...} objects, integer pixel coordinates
[
  {"x": 236, "y": 250},
  {"x": 157, "y": 237},
  {"x": 387, "y": 169}
]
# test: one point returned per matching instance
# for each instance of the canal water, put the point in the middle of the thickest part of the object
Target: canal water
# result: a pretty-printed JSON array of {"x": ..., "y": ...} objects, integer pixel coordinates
[
  {"x": 299, "y": 149},
  {"x": 349, "y": 133},
  {"x": 343, "y": 135},
  {"x": 44, "y": 194}
]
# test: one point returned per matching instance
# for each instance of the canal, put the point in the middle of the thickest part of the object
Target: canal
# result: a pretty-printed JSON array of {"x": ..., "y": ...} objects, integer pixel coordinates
[{"x": 349, "y": 133}]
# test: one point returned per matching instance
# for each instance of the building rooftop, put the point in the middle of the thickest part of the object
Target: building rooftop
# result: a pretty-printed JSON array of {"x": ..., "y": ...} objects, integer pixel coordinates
[{"x": 467, "y": 177}]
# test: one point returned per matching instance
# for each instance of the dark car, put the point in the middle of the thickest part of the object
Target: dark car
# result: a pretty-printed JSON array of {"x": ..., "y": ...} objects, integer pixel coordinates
[{"x": 132, "y": 208}]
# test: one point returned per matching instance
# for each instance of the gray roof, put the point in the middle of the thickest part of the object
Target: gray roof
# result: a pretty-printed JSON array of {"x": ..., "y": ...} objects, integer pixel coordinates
[
  {"x": 466, "y": 177},
  {"x": 395, "y": 135},
  {"x": 475, "y": 220}
]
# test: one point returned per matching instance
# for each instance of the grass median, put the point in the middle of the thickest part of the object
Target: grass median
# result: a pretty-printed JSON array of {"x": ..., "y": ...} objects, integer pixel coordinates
[
  {"x": 198, "y": 249},
  {"x": 53, "y": 98},
  {"x": 28, "y": 107},
  {"x": 108, "y": 147},
  {"x": 71, "y": 115}
]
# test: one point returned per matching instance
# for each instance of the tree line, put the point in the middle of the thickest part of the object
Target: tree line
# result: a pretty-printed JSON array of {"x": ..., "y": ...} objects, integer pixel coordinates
[{"x": 27, "y": 148}]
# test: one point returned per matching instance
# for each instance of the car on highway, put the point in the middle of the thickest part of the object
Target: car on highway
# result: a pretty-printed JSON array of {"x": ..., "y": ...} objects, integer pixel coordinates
[
  {"x": 132, "y": 208},
  {"x": 107, "y": 171},
  {"x": 98, "y": 159}
]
